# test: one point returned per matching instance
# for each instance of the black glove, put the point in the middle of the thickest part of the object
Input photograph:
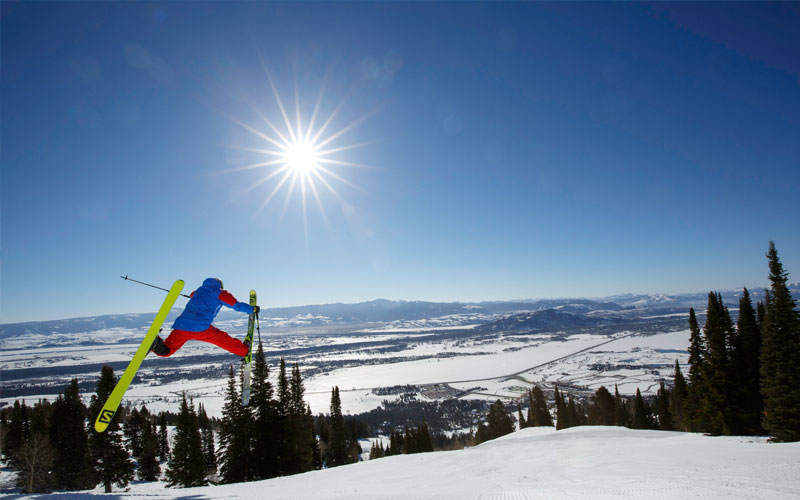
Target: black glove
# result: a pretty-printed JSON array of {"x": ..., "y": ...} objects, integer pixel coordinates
[{"x": 256, "y": 309}]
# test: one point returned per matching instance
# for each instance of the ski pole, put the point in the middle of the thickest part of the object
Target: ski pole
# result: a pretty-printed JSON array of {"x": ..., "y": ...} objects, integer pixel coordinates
[
  {"x": 258, "y": 327},
  {"x": 148, "y": 284}
]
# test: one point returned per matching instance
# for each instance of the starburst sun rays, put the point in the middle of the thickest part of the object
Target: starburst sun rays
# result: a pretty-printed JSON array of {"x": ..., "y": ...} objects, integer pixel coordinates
[{"x": 302, "y": 156}]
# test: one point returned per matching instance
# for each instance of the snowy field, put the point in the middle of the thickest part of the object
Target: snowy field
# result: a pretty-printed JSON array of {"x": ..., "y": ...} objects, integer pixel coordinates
[
  {"x": 581, "y": 463},
  {"x": 482, "y": 368}
]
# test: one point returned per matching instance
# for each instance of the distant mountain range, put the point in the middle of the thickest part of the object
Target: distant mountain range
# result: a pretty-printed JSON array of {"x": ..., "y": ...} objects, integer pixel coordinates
[{"x": 565, "y": 312}]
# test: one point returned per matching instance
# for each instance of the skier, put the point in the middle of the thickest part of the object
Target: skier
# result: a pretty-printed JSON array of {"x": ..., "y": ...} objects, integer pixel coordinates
[{"x": 194, "y": 323}]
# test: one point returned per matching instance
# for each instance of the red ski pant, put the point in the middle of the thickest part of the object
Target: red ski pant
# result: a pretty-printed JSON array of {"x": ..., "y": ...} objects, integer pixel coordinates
[{"x": 212, "y": 335}]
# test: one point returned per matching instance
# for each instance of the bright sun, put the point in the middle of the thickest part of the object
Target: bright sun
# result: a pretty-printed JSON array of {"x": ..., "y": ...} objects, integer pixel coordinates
[
  {"x": 300, "y": 155},
  {"x": 301, "y": 158}
]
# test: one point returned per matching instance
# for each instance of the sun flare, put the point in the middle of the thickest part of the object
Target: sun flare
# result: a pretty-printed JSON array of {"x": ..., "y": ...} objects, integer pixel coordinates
[
  {"x": 302, "y": 154},
  {"x": 301, "y": 158}
]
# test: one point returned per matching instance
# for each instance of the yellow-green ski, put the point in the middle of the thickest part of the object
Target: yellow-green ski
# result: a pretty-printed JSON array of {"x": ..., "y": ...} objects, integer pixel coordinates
[
  {"x": 247, "y": 359},
  {"x": 111, "y": 406}
]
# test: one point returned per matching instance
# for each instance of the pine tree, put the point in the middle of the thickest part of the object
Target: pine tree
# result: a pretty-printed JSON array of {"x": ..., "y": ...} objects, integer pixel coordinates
[
  {"x": 424, "y": 441},
  {"x": 187, "y": 466},
  {"x": 299, "y": 447},
  {"x": 207, "y": 436},
  {"x": 337, "y": 453},
  {"x": 282, "y": 407},
  {"x": 132, "y": 430},
  {"x": 482, "y": 434},
  {"x": 163, "y": 438},
  {"x": 15, "y": 435},
  {"x": 40, "y": 417},
  {"x": 268, "y": 436},
  {"x": 780, "y": 356},
  {"x": 640, "y": 413},
  {"x": 520, "y": 418},
  {"x": 562, "y": 414},
  {"x": 284, "y": 399},
  {"x": 498, "y": 420},
  {"x": 715, "y": 399},
  {"x": 149, "y": 468},
  {"x": 316, "y": 453},
  {"x": 697, "y": 356},
  {"x": 678, "y": 400},
  {"x": 377, "y": 450},
  {"x": 539, "y": 415},
  {"x": 746, "y": 370},
  {"x": 234, "y": 440},
  {"x": 109, "y": 457},
  {"x": 601, "y": 412},
  {"x": 620, "y": 409},
  {"x": 71, "y": 468},
  {"x": 575, "y": 417},
  {"x": 662, "y": 407}
]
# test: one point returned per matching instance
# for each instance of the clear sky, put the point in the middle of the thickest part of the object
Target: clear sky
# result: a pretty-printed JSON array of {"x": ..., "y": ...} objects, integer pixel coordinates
[{"x": 501, "y": 151}]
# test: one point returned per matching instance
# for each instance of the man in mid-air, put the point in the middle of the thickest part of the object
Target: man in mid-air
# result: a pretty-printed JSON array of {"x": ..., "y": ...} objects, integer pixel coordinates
[{"x": 194, "y": 323}]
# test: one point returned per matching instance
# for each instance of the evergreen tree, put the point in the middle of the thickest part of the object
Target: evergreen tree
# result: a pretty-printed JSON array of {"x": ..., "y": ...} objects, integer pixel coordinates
[
  {"x": 520, "y": 418},
  {"x": 207, "y": 437},
  {"x": 187, "y": 466},
  {"x": 299, "y": 450},
  {"x": 409, "y": 441},
  {"x": 640, "y": 418},
  {"x": 40, "y": 416},
  {"x": 498, "y": 421},
  {"x": 163, "y": 438},
  {"x": 282, "y": 405},
  {"x": 234, "y": 436},
  {"x": 662, "y": 407},
  {"x": 678, "y": 401},
  {"x": 715, "y": 398},
  {"x": 539, "y": 415},
  {"x": 284, "y": 398},
  {"x": 15, "y": 435},
  {"x": 562, "y": 416},
  {"x": 697, "y": 356},
  {"x": 601, "y": 412},
  {"x": 620, "y": 409},
  {"x": 316, "y": 453},
  {"x": 268, "y": 435},
  {"x": 780, "y": 356},
  {"x": 377, "y": 450},
  {"x": 132, "y": 430},
  {"x": 71, "y": 468},
  {"x": 395, "y": 444},
  {"x": 746, "y": 371},
  {"x": 575, "y": 416},
  {"x": 109, "y": 458},
  {"x": 424, "y": 441},
  {"x": 337, "y": 452},
  {"x": 149, "y": 468},
  {"x": 482, "y": 434}
]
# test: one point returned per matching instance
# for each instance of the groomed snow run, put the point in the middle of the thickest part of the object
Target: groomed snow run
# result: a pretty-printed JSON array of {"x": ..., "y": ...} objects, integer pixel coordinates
[{"x": 582, "y": 463}]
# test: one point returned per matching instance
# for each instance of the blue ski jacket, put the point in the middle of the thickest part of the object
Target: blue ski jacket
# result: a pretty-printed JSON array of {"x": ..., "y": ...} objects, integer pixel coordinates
[{"x": 204, "y": 305}]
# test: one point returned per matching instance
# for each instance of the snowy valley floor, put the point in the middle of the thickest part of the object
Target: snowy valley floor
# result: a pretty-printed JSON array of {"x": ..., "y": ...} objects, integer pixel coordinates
[{"x": 597, "y": 463}]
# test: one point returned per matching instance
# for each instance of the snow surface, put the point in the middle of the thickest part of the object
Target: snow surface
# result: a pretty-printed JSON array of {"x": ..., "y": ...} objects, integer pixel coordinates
[{"x": 582, "y": 463}]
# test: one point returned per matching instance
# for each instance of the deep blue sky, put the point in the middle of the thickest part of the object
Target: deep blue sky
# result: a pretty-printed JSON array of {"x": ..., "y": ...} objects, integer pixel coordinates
[{"x": 514, "y": 150}]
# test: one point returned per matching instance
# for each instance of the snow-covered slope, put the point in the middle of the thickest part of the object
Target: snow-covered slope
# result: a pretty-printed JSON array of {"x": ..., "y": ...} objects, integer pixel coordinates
[{"x": 582, "y": 463}]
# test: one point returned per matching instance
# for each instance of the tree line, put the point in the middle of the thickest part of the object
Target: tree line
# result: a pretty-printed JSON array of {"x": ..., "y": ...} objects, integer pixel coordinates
[{"x": 744, "y": 377}]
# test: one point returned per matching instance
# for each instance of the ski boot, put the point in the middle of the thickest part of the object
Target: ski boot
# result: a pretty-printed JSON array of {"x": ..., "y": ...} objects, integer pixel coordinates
[{"x": 159, "y": 348}]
